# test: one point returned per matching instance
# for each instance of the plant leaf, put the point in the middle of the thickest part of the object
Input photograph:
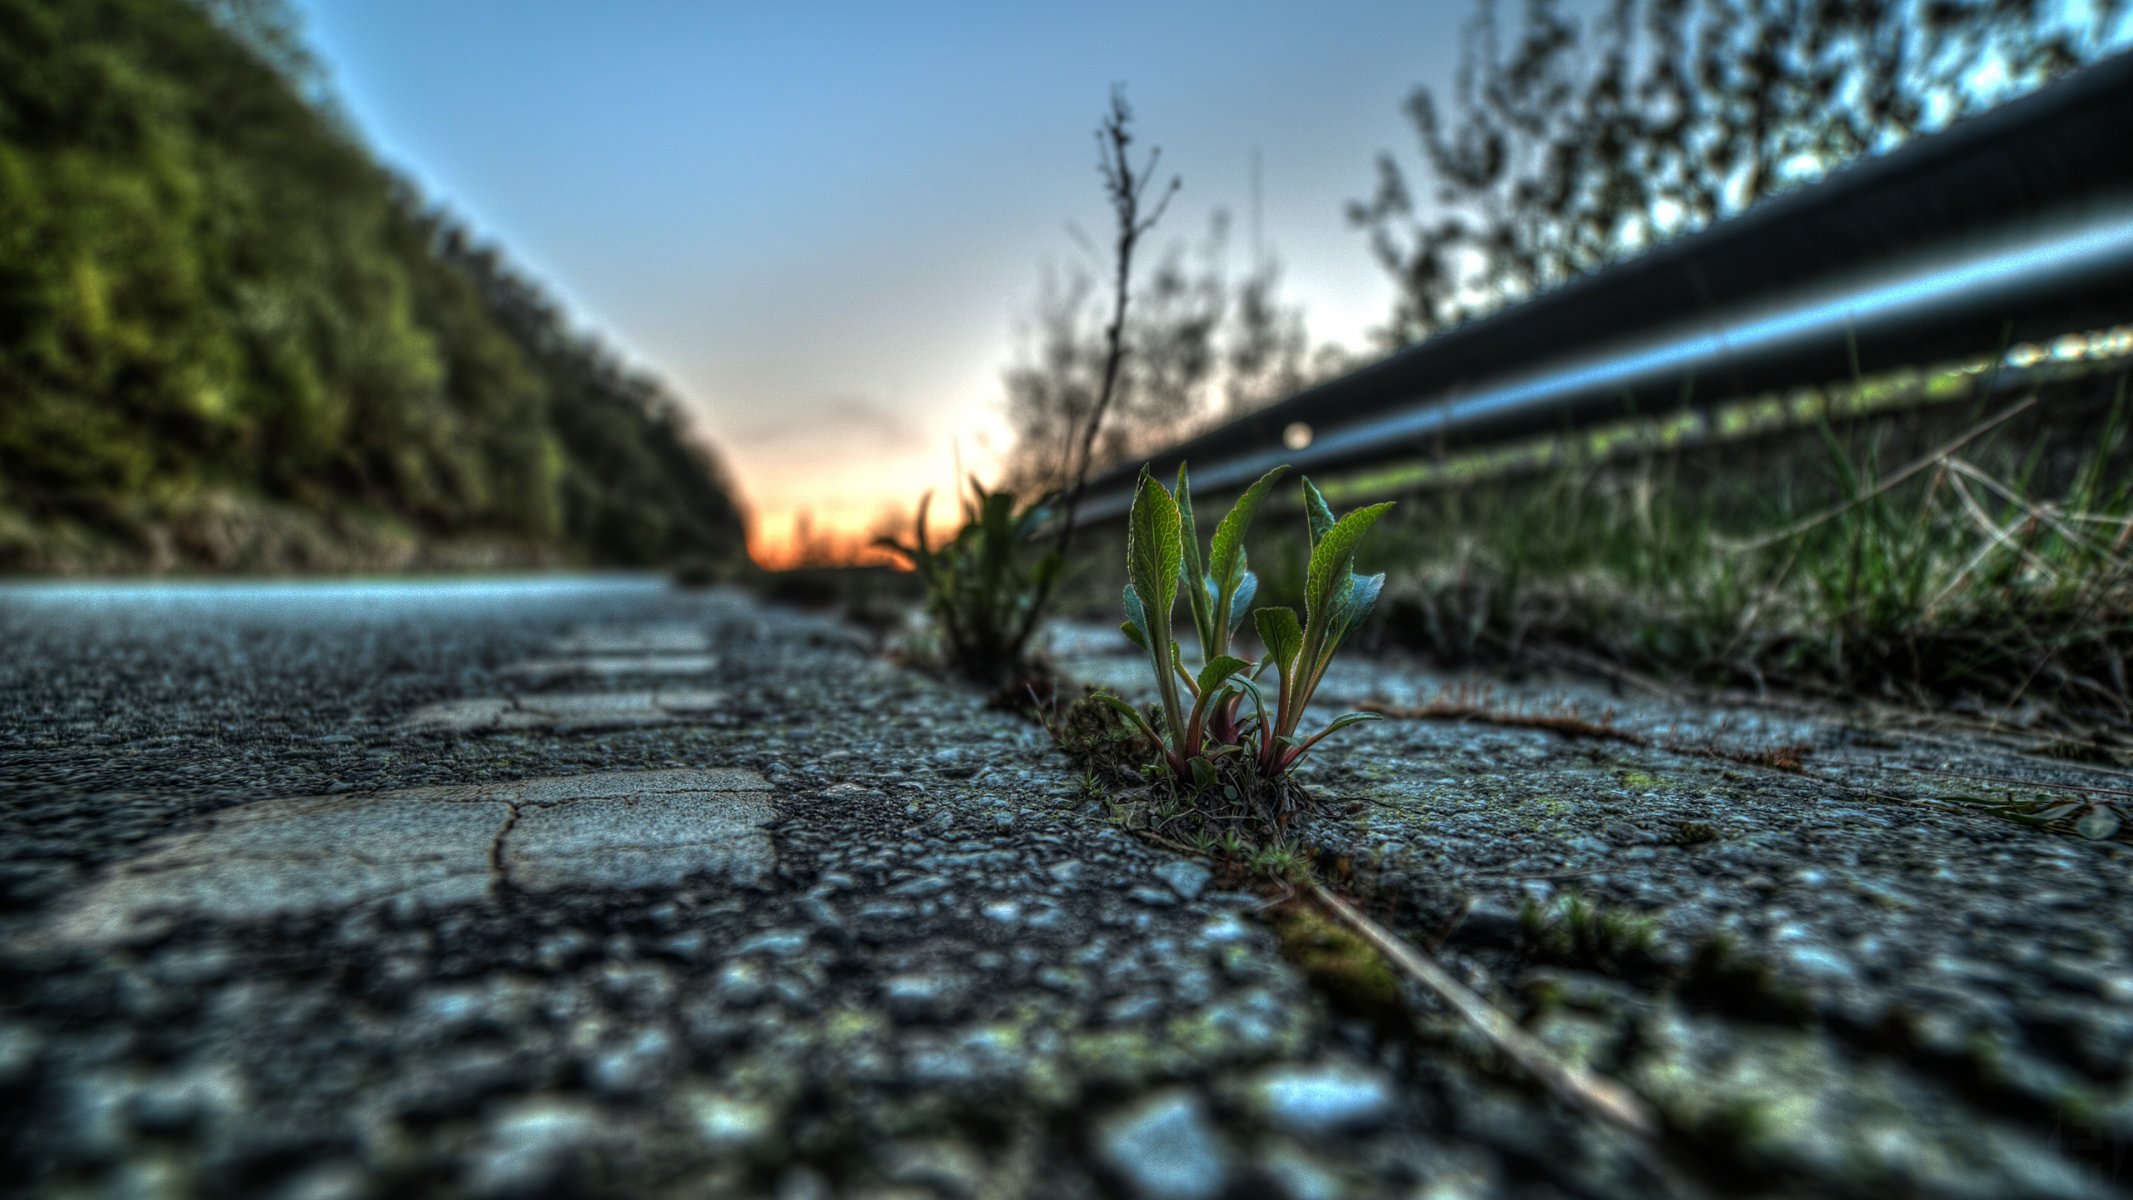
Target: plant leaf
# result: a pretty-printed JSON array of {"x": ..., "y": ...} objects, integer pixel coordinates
[
  {"x": 1191, "y": 547},
  {"x": 1218, "y": 669},
  {"x": 1131, "y": 713},
  {"x": 1133, "y": 634},
  {"x": 1316, "y": 512},
  {"x": 1282, "y": 635},
  {"x": 1154, "y": 553},
  {"x": 1197, "y": 597},
  {"x": 1361, "y": 597},
  {"x": 1225, "y": 555},
  {"x": 1241, "y": 603},
  {"x": 1344, "y": 720},
  {"x": 1136, "y": 615},
  {"x": 1331, "y": 558}
]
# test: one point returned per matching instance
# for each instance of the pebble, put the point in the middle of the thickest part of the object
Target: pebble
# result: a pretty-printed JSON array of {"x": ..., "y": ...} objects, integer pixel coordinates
[
  {"x": 1311, "y": 1101},
  {"x": 1185, "y": 877},
  {"x": 1164, "y": 1149},
  {"x": 528, "y": 1149}
]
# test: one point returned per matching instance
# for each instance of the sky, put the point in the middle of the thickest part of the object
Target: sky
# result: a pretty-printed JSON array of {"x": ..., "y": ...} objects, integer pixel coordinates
[{"x": 822, "y": 224}]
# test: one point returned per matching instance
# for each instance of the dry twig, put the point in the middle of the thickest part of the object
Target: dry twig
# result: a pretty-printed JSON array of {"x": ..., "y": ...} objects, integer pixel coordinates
[{"x": 1599, "y": 1096}]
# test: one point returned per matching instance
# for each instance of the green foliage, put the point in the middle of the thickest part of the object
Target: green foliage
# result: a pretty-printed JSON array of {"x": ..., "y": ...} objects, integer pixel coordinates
[
  {"x": 206, "y": 286},
  {"x": 1586, "y": 934},
  {"x": 1572, "y": 140},
  {"x": 1206, "y": 743},
  {"x": 1943, "y": 551},
  {"x": 984, "y": 589}
]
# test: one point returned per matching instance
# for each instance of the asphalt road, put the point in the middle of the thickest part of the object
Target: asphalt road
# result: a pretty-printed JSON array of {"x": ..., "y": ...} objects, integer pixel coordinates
[{"x": 597, "y": 886}]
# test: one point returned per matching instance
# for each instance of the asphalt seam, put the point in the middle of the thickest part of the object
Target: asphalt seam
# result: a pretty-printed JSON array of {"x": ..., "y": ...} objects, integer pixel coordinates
[{"x": 499, "y": 870}]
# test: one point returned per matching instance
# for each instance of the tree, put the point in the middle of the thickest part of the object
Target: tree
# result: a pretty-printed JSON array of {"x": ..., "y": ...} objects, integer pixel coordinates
[
  {"x": 1202, "y": 345},
  {"x": 1581, "y": 146}
]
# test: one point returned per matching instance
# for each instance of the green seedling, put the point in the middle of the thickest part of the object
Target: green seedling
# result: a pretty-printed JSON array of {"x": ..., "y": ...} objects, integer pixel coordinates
[
  {"x": 1202, "y": 735},
  {"x": 984, "y": 590}
]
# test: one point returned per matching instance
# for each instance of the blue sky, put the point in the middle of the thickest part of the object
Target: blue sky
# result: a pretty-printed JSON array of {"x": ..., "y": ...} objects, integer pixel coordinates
[{"x": 821, "y": 223}]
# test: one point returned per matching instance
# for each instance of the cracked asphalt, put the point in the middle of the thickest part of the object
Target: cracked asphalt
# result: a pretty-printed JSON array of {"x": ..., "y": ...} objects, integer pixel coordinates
[{"x": 292, "y": 909}]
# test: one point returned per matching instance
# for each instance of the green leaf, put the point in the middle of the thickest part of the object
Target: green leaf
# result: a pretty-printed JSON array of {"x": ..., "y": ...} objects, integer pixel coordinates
[
  {"x": 1203, "y": 774},
  {"x": 1133, "y": 634},
  {"x": 1282, "y": 635},
  {"x": 1241, "y": 603},
  {"x": 1131, "y": 713},
  {"x": 1136, "y": 615},
  {"x": 1218, "y": 669},
  {"x": 1225, "y": 556},
  {"x": 1258, "y": 700},
  {"x": 1190, "y": 531},
  {"x": 1331, "y": 558},
  {"x": 1360, "y": 598},
  {"x": 1317, "y": 512},
  {"x": 1344, "y": 720},
  {"x": 1193, "y": 579},
  {"x": 1154, "y": 553}
]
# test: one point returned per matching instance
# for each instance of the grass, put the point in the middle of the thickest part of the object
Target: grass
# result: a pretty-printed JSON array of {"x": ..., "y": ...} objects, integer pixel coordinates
[{"x": 1984, "y": 561}]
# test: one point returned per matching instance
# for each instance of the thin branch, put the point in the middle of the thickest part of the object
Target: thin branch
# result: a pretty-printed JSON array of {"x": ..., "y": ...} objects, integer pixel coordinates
[
  {"x": 1599, "y": 1096},
  {"x": 1128, "y": 191}
]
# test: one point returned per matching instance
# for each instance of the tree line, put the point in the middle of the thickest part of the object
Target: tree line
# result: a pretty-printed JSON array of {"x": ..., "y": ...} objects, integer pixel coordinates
[{"x": 208, "y": 285}]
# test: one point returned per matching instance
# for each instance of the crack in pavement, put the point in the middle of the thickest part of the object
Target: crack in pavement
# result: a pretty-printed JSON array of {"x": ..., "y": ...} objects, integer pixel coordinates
[
  {"x": 499, "y": 868},
  {"x": 442, "y": 845}
]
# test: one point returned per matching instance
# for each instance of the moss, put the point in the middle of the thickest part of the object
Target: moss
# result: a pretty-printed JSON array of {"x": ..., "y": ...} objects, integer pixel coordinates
[
  {"x": 1343, "y": 966},
  {"x": 1693, "y": 833},
  {"x": 1721, "y": 977}
]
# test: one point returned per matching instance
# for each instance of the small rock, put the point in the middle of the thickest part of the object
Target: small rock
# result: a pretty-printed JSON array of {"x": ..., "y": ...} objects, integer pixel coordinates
[
  {"x": 1133, "y": 1009},
  {"x": 1188, "y": 879},
  {"x": 1820, "y": 962},
  {"x": 635, "y": 1067},
  {"x": 728, "y": 1124},
  {"x": 777, "y": 943},
  {"x": 1299, "y": 1178},
  {"x": 1164, "y": 1149},
  {"x": 1324, "y": 1099},
  {"x": 921, "y": 997},
  {"x": 1491, "y": 923},
  {"x": 944, "y": 1167},
  {"x": 531, "y": 1148}
]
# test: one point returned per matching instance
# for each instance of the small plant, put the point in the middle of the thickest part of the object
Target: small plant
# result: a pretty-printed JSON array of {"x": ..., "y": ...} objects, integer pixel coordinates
[
  {"x": 1579, "y": 932},
  {"x": 984, "y": 590},
  {"x": 983, "y": 596},
  {"x": 1204, "y": 740}
]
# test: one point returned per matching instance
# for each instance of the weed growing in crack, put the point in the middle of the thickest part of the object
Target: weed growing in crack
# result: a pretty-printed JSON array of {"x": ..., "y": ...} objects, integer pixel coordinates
[
  {"x": 985, "y": 590},
  {"x": 1581, "y": 933},
  {"x": 1232, "y": 765}
]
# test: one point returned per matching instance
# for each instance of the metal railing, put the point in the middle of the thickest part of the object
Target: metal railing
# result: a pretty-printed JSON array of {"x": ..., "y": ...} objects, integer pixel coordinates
[{"x": 2012, "y": 226}]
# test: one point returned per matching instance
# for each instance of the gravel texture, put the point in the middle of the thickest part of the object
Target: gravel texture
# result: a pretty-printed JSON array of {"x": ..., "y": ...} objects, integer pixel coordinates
[
  {"x": 1838, "y": 974},
  {"x": 924, "y": 963}
]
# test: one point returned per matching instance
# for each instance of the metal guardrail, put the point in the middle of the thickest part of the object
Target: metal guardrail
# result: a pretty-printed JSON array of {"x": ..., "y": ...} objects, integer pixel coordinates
[{"x": 2015, "y": 225}]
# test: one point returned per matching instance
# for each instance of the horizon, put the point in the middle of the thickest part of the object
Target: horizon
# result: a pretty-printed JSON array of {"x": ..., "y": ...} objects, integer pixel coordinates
[{"x": 685, "y": 194}]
